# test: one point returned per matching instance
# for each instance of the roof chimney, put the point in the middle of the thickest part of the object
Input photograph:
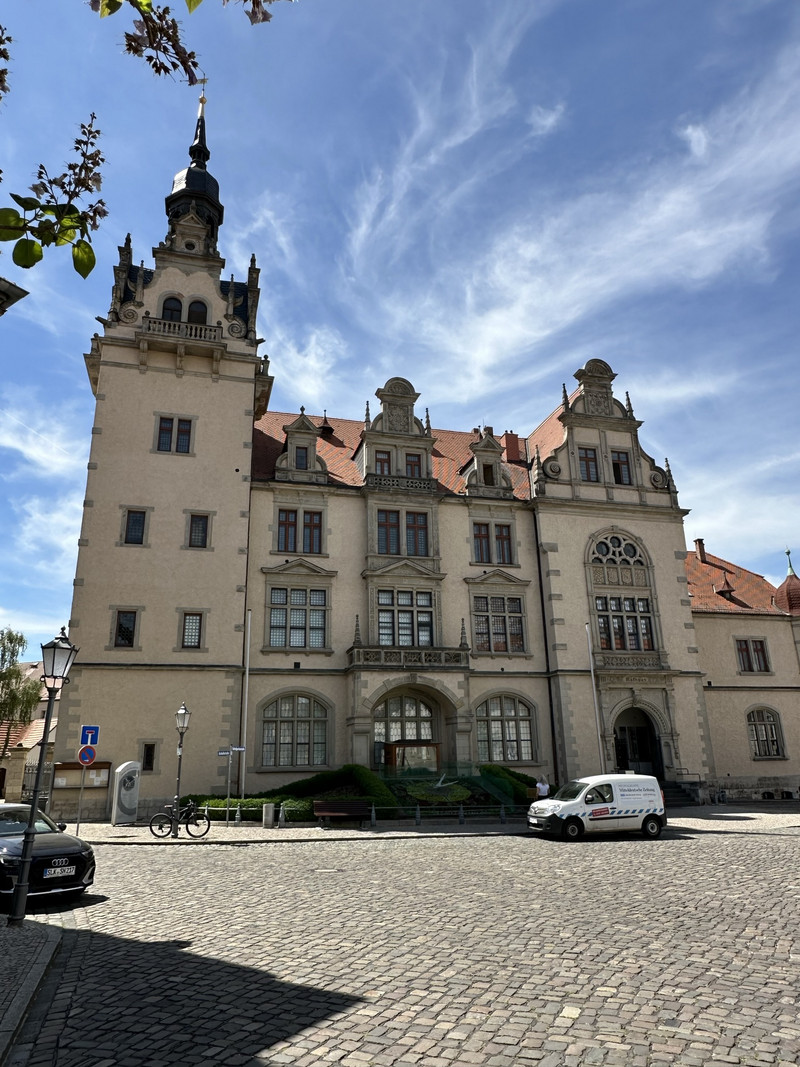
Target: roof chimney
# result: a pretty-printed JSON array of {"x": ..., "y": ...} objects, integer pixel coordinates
[
  {"x": 510, "y": 442},
  {"x": 700, "y": 549}
]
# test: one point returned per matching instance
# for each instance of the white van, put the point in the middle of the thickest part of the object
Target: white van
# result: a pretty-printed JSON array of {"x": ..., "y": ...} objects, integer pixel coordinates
[{"x": 600, "y": 804}]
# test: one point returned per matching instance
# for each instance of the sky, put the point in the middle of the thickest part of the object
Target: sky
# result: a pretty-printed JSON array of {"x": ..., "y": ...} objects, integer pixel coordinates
[{"x": 476, "y": 195}]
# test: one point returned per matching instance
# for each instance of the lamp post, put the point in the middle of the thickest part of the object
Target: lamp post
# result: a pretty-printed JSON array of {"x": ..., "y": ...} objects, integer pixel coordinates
[
  {"x": 58, "y": 656},
  {"x": 181, "y": 725}
]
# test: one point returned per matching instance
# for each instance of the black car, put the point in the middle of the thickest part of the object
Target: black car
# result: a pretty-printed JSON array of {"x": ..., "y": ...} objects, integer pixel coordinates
[{"x": 60, "y": 863}]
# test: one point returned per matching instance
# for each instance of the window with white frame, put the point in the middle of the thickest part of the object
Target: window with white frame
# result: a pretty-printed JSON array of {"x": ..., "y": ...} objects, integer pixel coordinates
[
  {"x": 764, "y": 732},
  {"x": 751, "y": 653},
  {"x": 498, "y": 623},
  {"x": 298, "y": 617},
  {"x": 506, "y": 730},
  {"x": 294, "y": 732},
  {"x": 405, "y": 617}
]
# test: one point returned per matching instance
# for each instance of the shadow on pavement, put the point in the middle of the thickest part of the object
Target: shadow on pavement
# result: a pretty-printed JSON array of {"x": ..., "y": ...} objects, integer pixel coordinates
[{"x": 159, "y": 1003}]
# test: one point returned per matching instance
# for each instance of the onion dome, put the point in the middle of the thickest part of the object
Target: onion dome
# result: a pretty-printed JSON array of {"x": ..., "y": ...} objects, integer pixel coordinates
[{"x": 787, "y": 595}]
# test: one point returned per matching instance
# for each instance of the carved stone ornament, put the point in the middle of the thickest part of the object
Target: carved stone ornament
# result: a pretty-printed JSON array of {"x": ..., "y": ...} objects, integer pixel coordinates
[
  {"x": 397, "y": 418},
  {"x": 596, "y": 403},
  {"x": 658, "y": 479},
  {"x": 552, "y": 468},
  {"x": 237, "y": 328},
  {"x": 128, "y": 313}
]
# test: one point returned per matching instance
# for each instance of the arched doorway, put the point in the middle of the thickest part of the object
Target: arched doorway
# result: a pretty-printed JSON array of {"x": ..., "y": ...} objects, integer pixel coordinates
[
  {"x": 406, "y": 734},
  {"x": 637, "y": 746}
]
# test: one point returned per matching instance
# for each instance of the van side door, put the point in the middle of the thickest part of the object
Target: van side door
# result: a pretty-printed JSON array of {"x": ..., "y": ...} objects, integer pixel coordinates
[{"x": 600, "y": 811}]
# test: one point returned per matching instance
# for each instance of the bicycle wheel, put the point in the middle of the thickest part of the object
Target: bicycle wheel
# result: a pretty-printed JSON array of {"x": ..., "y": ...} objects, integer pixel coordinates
[
  {"x": 197, "y": 825},
  {"x": 161, "y": 825}
]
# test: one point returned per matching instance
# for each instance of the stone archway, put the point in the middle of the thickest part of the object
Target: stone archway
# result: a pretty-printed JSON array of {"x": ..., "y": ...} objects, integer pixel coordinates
[{"x": 637, "y": 744}]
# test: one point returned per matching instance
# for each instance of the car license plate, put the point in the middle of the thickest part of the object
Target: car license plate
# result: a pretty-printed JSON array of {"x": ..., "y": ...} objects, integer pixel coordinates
[{"x": 59, "y": 872}]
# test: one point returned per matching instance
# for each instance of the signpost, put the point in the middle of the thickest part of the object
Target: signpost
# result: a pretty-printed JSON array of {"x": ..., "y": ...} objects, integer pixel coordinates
[
  {"x": 229, "y": 753},
  {"x": 87, "y": 754}
]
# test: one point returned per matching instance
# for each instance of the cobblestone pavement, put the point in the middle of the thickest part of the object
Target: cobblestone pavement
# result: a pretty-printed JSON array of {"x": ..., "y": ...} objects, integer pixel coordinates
[{"x": 388, "y": 952}]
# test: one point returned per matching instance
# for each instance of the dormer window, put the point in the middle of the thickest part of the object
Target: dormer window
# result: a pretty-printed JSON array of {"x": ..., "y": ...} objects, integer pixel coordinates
[
  {"x": 172, "y": 309},
  {"x": 383, "y": 462},
  {"x": 198, "y": 313},
  {"x": 301, "y": 458},
  {"x": 620, "y": 465},
  {"x": 488, "y": 474},
  {"x": 587, "y": 458}
]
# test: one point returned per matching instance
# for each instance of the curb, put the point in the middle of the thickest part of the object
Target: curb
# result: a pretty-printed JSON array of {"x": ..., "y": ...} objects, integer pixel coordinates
[
  {"x": 37, "y": 964},
  {"x": 286, "y": 839}
]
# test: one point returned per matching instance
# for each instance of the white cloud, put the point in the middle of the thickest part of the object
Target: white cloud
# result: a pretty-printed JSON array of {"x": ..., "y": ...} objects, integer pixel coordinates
[
  {"x": 696, "y": 138},
  {"x": 43, "y": 445},
  {"x": 46, "y": 535},
  {"x": 543, "y": 121}
]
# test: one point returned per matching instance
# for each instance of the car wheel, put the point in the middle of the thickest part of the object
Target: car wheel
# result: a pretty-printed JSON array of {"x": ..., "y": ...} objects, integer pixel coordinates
[
  {"x": 572, "y": 829},
  {"x": 651, "y": 827}
]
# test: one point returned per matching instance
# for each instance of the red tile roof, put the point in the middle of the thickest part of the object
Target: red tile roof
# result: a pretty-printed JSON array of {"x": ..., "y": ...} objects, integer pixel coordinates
[
  {"x": 715, "y": 585},
  {"x": 451, "y": 453}
]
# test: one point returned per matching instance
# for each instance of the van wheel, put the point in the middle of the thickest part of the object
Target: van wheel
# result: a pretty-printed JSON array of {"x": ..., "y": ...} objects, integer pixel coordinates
[
  {"x": 572, "y": 830},
  {"x": 651, "y": 827}
]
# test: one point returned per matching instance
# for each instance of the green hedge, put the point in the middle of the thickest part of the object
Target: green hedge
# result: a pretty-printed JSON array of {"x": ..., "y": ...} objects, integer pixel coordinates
[
  {"x": 513, "y": 782},
  {"x": 352, "y": 781}
]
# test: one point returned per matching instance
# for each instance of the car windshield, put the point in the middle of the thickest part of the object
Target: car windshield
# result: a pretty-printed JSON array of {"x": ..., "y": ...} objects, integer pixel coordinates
[
  {"x": 14, "y": 822},
  {"x": 570, "y": 791}
]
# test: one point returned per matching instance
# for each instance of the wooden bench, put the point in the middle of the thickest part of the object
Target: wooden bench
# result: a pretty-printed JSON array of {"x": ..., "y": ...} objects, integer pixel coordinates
[{"x": 342, "y": 808}]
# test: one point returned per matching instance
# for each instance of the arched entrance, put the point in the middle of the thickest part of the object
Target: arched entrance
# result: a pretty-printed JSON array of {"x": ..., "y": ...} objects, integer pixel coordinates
[
  {"x": 637, "y": 746},
  {"x": 406, "y": 734}
]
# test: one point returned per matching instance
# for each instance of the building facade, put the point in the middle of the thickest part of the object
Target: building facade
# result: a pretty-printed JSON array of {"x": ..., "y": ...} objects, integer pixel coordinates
[{"x": 322, "y": 591}]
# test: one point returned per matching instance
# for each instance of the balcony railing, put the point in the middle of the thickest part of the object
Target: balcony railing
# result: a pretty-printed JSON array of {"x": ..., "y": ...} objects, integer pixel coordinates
[
  {"x": 419, "y": 659},
  {"x": 189, "y": 331},
  {"x": 399, "y": 481}
]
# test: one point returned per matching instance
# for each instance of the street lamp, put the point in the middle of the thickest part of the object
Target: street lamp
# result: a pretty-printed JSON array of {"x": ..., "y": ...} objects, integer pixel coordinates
[
  {"x": 58, "y": 656},
  {"x": 182, "y": 716}
]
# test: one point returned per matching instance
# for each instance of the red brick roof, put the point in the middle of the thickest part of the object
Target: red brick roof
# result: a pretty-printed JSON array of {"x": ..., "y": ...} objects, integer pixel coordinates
[
  {"x": 549, "y": 434},
  {"x": 451, "y": 453},
  {"x": 715, "y": 585},
  {"x": 26, "y": 736}
]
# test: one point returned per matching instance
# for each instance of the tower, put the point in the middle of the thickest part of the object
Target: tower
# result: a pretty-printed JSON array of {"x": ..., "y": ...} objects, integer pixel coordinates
[{"x": 159, "y": 597}]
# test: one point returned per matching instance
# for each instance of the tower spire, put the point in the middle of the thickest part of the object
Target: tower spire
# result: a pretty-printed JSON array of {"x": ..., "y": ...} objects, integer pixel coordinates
[{"x": 193, "y": 207}]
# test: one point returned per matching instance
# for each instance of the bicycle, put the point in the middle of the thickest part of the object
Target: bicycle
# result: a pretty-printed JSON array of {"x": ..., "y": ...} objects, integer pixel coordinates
[{"x": 196, "y": 822}]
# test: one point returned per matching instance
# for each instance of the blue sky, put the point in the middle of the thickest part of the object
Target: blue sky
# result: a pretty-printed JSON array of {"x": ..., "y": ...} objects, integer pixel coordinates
[{"x": 478, "y": 195}]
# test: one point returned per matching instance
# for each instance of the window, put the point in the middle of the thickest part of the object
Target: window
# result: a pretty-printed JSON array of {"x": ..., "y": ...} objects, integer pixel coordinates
[
  {"x": 197, "y": 313},
  {"x": 295, "y": 733},
  {"x": 134, "y": 527},
  {"x": 752, "y": 656},
  {"x": 174, "y": 435},
  {"x": 587, "y": 458},
  {"x": 172, "y": 310},
  {"x": 389, "y": 533},
  {"x": 480, "y": 537},
  {"x": 125, "y": 629},
  {"x": 488, "y": 474},
  {"x": 301, "y": 458},
  {"x": 413, "y": 465},
  {"x": 298, "y": 618},
  {"x": 405, "y": 617},
  {"x": 198, "y": 531},
  {"x": 502, "y": 543},
  {"x": 401, "y": 718},
  {"x": 383, "y": 462},
  {"x": 764, "y": 731},
  {"x": 625, "y": 623},
  {"x": 148, "y": 756},
  {"x": 498, "y": 623},
  {"x": 287, "y": 531},
  {"x": 505, "y": 730},
  {"x": 312, "y": 532},
  {"x": 191, "y": 629},
  {"x": 621, "y": 467},
  {"x": 417, "y": 533}
]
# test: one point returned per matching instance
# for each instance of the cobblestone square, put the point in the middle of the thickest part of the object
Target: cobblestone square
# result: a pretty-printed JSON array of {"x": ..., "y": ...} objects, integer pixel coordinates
[{"x": 369, "y": 950}]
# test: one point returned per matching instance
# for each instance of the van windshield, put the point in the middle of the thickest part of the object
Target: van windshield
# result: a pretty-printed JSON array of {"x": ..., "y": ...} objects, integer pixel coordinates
[{"x": 570, "y": 791}]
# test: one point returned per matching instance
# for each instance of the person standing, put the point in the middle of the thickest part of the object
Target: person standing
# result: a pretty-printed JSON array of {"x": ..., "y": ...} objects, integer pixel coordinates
[{"x": 542, "y": 788}]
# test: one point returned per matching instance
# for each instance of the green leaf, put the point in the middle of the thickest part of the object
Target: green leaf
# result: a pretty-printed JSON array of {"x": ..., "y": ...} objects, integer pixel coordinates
[
  {"x": 65, "y": 235},
  {"x": 27, "y": 253},
  {"x": 192, "y": 4},
  {"x": 27, "y": 203},
  {"x": 108, "y": 7},
  {"x": 12, "y": 224},
  {"x": 83, "y": 259}
]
